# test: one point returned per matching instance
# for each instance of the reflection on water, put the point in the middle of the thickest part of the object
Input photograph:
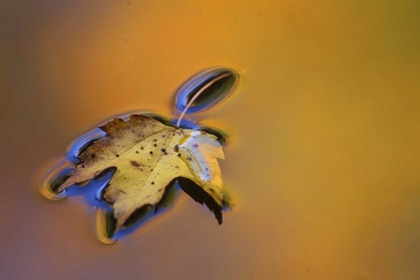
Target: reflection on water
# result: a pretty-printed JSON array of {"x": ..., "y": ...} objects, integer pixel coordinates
[
  {"x": 206, "y": 89},
  {"x": 54, "y": 178}
]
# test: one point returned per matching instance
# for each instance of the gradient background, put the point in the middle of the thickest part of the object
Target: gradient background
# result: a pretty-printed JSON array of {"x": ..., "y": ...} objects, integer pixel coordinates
[{"x": 324, "y": 154}]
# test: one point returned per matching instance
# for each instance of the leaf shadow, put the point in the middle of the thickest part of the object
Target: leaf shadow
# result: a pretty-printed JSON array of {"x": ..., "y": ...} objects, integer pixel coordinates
[{"x": 200, "y": 196}]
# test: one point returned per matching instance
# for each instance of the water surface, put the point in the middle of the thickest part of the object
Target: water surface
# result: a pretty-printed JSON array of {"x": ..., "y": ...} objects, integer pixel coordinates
[{"x": 323, "y": 154}]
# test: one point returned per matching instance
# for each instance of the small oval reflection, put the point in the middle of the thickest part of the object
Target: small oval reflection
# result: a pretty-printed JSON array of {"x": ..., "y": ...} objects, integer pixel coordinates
[
  {"x": 55, "y": 178},
  {"x": 206, "y": 89},
  {"x": 105, "y": 226}
]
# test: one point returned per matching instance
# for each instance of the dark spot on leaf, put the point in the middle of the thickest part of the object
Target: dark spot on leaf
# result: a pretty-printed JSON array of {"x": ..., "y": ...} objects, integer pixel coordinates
[
  {"x": 176, "y": 148},
  {"x": 151, "y": 152},
  {"x": 179, "y": 155},
  {"x": 153, "y": 183},
  {"x": 117, "y": 155},
  {"x": 163, "y": 150},
  {"x": 83, "y": 166},
  {"x": 155, "y": 145},
  {"x": 93, "y": 155},
  {"x": 165, "y": 153},
  {"x": 141, "y": 148},
  {"x": 154, "y": 140},
  {"x": 189, "y": 158},
  {"x": 134, "y": 163},
  {"x": 137, "y": 152}
]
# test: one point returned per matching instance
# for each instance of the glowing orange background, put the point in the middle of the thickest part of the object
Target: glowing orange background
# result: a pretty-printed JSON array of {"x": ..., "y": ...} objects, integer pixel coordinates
[{"x": 324, "y": 158}]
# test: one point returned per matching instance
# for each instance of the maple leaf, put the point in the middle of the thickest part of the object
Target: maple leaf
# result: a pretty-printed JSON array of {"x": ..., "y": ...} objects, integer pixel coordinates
[{"x": 147, "y": 156}]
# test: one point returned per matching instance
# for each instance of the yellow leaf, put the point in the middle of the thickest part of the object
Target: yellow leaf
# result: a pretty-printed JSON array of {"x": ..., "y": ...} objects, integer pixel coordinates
[{"x": 147, "y": 156}]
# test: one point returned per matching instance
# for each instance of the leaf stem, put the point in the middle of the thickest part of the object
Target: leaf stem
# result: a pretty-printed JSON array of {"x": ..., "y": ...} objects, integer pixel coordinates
[{"x": 196, "y": 96}]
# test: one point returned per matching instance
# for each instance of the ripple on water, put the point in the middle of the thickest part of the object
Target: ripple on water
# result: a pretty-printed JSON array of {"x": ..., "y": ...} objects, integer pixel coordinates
[
  {"x": 57, "y": 175},
  {"x": 212, "y": 86}
]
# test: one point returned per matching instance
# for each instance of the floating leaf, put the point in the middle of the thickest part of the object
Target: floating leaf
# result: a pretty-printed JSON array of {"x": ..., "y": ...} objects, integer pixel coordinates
[{"x": 148, "y": 155}]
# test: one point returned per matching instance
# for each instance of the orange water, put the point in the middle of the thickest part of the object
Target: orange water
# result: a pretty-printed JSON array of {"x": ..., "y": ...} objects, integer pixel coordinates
[{"x": 324, "y": 153}]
